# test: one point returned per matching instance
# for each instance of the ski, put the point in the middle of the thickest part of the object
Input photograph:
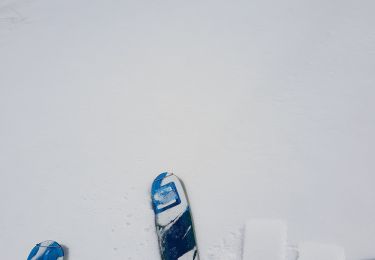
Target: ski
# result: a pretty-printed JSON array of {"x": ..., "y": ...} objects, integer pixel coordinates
[
  {"x": 47, "y": 250},
  {"x": 174, "y": 225}
]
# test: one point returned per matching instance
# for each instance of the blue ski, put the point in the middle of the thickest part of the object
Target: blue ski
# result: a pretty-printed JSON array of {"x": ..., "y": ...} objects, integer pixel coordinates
[
  {"x": 173, "y": 220},
  {"x": 47, "y": 250}
]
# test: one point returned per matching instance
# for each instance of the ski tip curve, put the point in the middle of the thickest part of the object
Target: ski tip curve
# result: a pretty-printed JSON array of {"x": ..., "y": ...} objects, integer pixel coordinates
[
  {"x": 164, "y": 195},
  {"x": 159, "y": 179},
  {"x": 47, "y": 250}
]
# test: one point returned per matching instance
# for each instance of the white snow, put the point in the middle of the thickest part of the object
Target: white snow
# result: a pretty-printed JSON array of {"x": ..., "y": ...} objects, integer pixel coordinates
[
  {"x": 265, "y": 240},
  {"x": 265, "y": 109},
  {"x": 314, "y": 251}
]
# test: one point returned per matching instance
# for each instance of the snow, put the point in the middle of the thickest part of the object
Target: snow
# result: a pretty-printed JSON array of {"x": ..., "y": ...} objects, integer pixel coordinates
[
  {"x": 265, "y": 240},
  {"x": 314, "y": 251},
  {"x": 265, "y": 109}
]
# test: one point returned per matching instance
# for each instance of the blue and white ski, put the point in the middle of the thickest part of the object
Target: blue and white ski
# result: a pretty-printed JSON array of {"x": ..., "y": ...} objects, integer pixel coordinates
[
  {"x": 47, "y": 250},
  {"x": 173, "y": 220}
]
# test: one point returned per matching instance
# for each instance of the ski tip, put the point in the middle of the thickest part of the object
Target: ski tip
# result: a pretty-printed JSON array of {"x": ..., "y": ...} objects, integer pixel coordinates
[
  {"x": 164, "y": 195},
  {"x": 162, "y": 176},
  {"x": 47, "y": 250},
  {"x": 159, "y": 179}
]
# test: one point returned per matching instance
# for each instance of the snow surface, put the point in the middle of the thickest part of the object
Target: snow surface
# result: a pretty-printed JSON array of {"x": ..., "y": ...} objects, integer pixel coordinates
[
  {"x": 264, "y": 108},
  {"x": 313, "y": 251},
  {"x": 265, "y": 240}
]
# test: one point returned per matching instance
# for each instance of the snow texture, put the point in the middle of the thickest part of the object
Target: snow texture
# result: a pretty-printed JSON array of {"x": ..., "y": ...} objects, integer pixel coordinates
[
  {"x": 265, "y": 240},
  {"x": 265, "y": 109},
  {"x": 229, "y": 248},
  {"x": 314, "y": 251}
]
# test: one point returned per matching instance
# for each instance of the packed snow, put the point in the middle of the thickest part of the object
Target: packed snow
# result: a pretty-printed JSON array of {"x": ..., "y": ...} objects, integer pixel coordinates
[
  {"x": 265, "y": 240},
  {"x": 314, "y": 251},
  {"x": 265, "y": 109}
]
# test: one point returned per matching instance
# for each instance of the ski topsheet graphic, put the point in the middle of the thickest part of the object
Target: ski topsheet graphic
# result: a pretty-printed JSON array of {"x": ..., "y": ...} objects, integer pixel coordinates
[
  {"x": 47, "y": 250},
  {"x": 173, "y": 219}
]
